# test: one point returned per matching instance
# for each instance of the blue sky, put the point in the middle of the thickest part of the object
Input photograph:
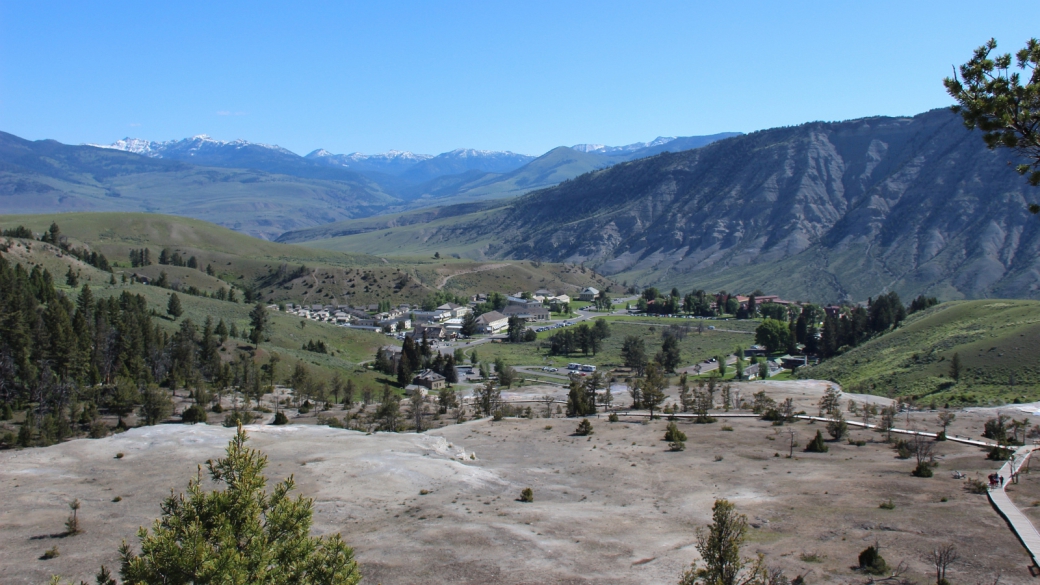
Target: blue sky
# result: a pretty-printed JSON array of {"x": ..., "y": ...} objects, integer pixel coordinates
[{"x": 433, "y": 76}]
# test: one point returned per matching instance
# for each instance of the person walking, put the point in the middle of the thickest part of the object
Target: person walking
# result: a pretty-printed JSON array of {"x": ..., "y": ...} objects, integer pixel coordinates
[{"x": 1002, "y": 481}]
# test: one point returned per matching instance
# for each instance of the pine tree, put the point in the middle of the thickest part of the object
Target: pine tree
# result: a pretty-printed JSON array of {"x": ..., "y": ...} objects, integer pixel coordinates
[
  {"x": 817, "y": 445},
  {"x": 239, "y": 534},
  {"x": 955, "y": 367},
  {"x": 173, "y": 307},
  {"x": 258, "y": 320}
]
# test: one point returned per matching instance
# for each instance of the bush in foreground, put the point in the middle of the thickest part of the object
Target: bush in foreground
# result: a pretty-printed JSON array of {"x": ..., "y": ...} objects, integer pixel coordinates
[{"x": 241, "y": 534}]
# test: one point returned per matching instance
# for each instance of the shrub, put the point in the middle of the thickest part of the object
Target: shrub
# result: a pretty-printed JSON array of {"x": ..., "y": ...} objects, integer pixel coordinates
[
  {"x": 217, "y": 408},
  {"x": 871, "y": 561},
  {"x": 726, "y": 428},
  {"x": 672, "y": 433},
  {"x": 976, "y": 486},
  {"x": 718, "y": 458},
  {"x": 424, "y": 492},
  {"x": 613, "y": 417},
  {"x": 527, "y": 495},
  {"x": 998, "y": 453},
  {"x": 98, "y": 430},
  {"x": 193, "y": 414},
  {"x": 72, "y": 524},
  {"x": 677, "y": 446},
  {"x": 548, "y": 427},
  {"x": 280, "y": 418},
  {"x": 584, "y": 428},
  {"x": 497, "y": 416},
  {"x": 811, "y": 557},
  {"x": 887, "y": 505},
  {"x": 51, "y": 553},
  {"x": 236, "y": 418},
  {"x": 902, "y": 447},
  {"x": 119, "y": 455},
  {"x": 817, "y": 445},
  {"x": 330, "y": 421},
  {"x": 922, "y": 470},
  {"x": 838, "y": 429},
  {"x": 117, "y": 499}
]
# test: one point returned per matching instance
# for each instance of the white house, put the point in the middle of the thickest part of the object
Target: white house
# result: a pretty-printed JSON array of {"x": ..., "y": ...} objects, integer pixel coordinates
[
  {"x": 588, "y": 294},
  {"x": 492, "y": 322}
]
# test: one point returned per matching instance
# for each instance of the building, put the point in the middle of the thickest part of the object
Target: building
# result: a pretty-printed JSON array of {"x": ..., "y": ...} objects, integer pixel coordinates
[
  {"x": 430, "y": 380},
  {"x": 454, "y": 311},
  {"x": 532, "y": 312},
  {"x": 435, "y": 316},
  {"x": 588, "y": 294},
  {"x": 395, "y": 324},
  {"x": 431, "y": 332},
  {"x": 755, "y": 351},
  {"x": 492, "y": 322}
]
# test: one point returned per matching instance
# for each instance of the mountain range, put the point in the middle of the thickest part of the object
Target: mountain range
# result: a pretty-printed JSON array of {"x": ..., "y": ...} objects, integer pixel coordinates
[
  {"x": 821, "y": 211},
  {"x": 399, "y": 169},
  {"x": 260, "y": 189}
]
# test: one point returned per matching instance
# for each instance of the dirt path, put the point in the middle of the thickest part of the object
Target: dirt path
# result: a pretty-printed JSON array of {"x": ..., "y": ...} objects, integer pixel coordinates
[{"x": 484, "y": 268}]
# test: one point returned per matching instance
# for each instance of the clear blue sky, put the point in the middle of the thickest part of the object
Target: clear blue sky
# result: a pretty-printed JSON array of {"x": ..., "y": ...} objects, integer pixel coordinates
[{"x": 436, "y": 75}]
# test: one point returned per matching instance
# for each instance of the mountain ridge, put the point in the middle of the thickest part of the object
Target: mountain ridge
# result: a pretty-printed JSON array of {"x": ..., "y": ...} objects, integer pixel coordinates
[{"x": 827, "y": 211}]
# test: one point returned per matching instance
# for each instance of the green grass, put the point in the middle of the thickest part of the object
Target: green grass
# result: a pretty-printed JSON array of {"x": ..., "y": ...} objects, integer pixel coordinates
[
  {"x": 693, "y": 348},
  {"x": 331, "y": 277},
  {"x": 997, "y": 341}
]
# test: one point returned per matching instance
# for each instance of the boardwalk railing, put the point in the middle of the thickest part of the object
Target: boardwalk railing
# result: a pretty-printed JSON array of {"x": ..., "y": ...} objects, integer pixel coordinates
[{"x": 1020, "y": 524}]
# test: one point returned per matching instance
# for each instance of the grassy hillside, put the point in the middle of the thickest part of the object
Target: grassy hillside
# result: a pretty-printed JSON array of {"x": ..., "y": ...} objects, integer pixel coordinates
[
  {"x": 997, "y": 342},
  {"x": 272, "y": 269},
  {"x": 286, "y": 334}
]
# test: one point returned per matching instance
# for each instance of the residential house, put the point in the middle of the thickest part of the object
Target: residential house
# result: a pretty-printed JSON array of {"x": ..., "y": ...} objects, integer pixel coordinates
[
  {"x": 454, "y": 311},
  {"x": 432, "y": 332},
  {"x": 395, "y": 324},
  {"x": 430, "y": 380},
  {"x": 588, "y": 294}
]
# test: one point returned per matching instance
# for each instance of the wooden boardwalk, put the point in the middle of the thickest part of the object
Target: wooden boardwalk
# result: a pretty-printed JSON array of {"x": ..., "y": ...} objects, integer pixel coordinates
[{"x": 1018, "y": 521}]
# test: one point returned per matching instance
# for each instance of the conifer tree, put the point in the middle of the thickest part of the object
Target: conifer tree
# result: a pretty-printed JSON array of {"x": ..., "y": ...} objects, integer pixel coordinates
[
  {"x": 238, "y": 534},
  {"x": 258, "y": 320},
  {"x": 173, "y": 306}
]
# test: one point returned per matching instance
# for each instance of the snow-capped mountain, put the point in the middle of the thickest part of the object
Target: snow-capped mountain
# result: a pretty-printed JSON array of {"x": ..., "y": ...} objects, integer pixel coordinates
[
  {"x": 392, "y": 162},
  {"x": 462, "y": 160},
  {"x": 603, "y": 149},
  {"x": 198, "y": 145}
]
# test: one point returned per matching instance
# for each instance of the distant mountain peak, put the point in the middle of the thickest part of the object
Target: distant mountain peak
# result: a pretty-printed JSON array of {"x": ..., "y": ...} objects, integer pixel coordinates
[
  {"x": 474, "y": 153},
  {"x": 604, "y": 149},
  {"x": 164, "y": 149}
]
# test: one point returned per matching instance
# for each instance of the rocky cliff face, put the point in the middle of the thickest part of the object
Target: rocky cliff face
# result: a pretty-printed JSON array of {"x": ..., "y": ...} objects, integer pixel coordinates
[{"x": 824, "y": 210}]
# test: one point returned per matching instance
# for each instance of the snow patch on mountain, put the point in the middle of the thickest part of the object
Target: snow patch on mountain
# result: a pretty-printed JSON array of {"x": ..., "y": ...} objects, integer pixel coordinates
[
  {"x": 603, "y": 149},
  {"x": 190, "y": 146}
]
